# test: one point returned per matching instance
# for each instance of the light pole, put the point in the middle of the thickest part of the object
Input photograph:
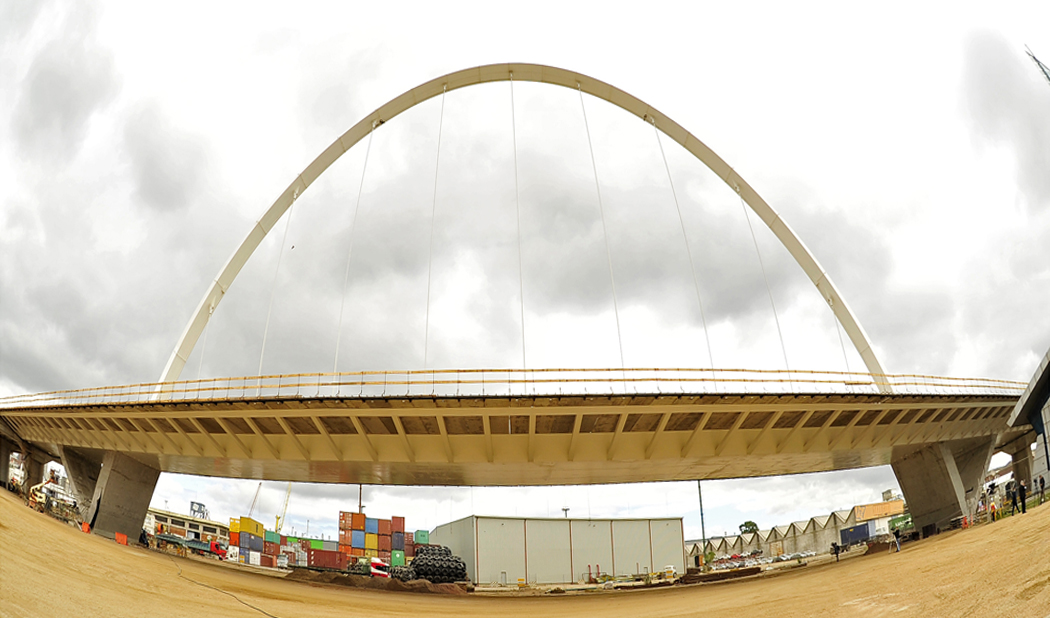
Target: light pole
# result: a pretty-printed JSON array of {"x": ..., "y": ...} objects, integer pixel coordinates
[{"x": 703, "y": 530}]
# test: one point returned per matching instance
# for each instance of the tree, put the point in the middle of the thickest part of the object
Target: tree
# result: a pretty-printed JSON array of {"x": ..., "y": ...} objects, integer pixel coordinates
[{"x": 748, "y": 526}]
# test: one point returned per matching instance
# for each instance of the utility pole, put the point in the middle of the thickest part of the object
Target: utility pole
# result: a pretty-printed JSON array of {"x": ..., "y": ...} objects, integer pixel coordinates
[
  {"x": 360, "y": 492},
  {"x": 703, "y": 530}
]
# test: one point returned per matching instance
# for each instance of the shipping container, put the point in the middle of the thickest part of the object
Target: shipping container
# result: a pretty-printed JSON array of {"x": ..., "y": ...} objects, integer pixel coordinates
[
  {"x": 330, "y": 545},
  {"x": 410, "y": 550},
  {"x": 345, "y": 520},
  {"x": 397, "y": 541},
  {"x": 250, "y": 525},
  {"x": 397, "y": 558},
  {"x": 357, "y": 551},
  {"x": 397, "y": 524},
  {"x": 235, "y": 524},
  {"x": 254, "y": 558},
  {"x": 384, "y": 556},
  {"x": 371, "y": 553},
  {"x": 267, "y": 561},
  {"x": 383, "y": 526},
  {"x": 327, "y": 559},
  {"x": 421, "y": 537},
  {"x": 235, "y": 539},
  {"x": 270, "y": 549},
  {"x": 304, "y": 544},
  {"x": 357, "y": 538},
  {"x": 357, "y": 521},
  {"x": 282, "y": 561},
  {"x": 410, "y": 538},
  {"x": 344, "y": 537},
  {"x": 384, "y": 543},
  {"x": 291, "y": 541},
  {"x": 856, "y": 534},
  {"x": 316, "y": 544},
  {"x": 371, "y": 541},
  {"x": 272, "y": 537},
  {"x": 371, "y": 525},
  {"x": 284, "y": 540}
]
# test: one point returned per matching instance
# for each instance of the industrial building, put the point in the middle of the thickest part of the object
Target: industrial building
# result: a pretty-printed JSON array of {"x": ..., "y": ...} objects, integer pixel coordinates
[
  {"x": 560, "y": 550},
  {"x": 815, "y": 535},
  {"x": 186, "y": 526}
]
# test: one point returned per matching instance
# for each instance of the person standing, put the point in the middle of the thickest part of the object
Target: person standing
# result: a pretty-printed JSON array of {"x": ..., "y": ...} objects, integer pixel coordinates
[
  {"x": 835, "y": 549},
  {"x": 1011, "y": 494},
  {"x": 897, "y": 538},
  {"x": 1042, "y": 489},
  {"x": 1022, "y": 493}
]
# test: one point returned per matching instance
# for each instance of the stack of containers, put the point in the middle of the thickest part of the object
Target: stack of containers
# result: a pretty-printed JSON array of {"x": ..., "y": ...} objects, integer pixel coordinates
[
  {"x": 397, "y": 534},
  {"x": 235, "y": 529},
  {"x": 371, "y": 537},
  {"x": 385, "y": 528},
  {"x": 410, "y": 545},
  {"x": 326, "y": 559}
]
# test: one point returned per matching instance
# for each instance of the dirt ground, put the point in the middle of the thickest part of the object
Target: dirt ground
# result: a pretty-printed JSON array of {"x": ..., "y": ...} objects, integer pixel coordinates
[{"x": 51, "y": 569}]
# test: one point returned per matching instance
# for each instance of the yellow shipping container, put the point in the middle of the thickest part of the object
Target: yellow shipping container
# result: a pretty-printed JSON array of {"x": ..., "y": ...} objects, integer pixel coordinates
[
  {"x": 371, "y": 553},
  {"x": 371, "y": 541},
  {"x": 251, "y": 526},
  {"x": 235, "y": 524}
]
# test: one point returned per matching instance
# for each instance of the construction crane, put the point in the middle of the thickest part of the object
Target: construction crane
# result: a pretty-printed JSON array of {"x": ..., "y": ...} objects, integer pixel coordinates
[
  {"x": 1042, "y": 67},
  {"x": 280, "y": 518},
  {"x": 255, "y": 499}
]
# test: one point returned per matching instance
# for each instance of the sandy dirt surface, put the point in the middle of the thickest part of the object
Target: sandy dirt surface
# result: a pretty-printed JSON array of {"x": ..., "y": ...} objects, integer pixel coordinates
[{"x": 48, "y": 568}]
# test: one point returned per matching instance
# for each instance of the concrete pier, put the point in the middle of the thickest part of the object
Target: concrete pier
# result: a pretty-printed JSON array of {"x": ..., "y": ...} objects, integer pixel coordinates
[
  {"x": 113, "y": 490},
  {"x": 942, "y": 481}
]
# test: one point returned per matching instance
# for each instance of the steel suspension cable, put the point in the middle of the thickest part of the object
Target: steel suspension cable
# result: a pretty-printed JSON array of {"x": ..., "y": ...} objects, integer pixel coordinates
[
  {"x": 273, "y": 288},
  {"x": 350, "y": 250},
  {"x": 517, "y": 214},
  {"x": 685, "y": 237},
  {"x": 769, "y": 291},
  {"x": 605, "y": 235},
  {"x": 433, "y": 213}
]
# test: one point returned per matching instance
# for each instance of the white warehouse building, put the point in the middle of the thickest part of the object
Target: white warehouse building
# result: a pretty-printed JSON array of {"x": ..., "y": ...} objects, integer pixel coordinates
[{"x": 561, "y": 550}]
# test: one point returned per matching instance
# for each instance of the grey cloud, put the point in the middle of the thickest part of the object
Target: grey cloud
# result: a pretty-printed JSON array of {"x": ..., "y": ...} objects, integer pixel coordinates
[
  {"x": 167, "y": 165},
  {"x": 68, "y": 82},
  {"x": 1007, "y": 100}
]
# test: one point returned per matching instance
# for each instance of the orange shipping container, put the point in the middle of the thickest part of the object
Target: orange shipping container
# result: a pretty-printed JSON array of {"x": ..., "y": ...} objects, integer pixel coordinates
[
  {"x": 384, "y": 527},
  {"x": 235, "y": 539},
  {"x": 357, "y": 521},
  {"x": 384, "y": 543},
  {"x": 397, "y": 524},
  {"x": 357, "y": 551}
]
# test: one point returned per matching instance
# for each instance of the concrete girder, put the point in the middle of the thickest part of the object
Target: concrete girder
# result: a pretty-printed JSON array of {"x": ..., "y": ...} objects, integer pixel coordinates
[{"x": 83, "y": 467}]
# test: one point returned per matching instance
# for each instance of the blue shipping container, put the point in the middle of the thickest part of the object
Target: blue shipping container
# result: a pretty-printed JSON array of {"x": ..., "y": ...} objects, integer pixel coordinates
[
  {"x": 397, "y": 541},
  {"x": 856, "y": 534},
  {"x": 357, "y": 539},
  {"x": 371, "y": 525}
]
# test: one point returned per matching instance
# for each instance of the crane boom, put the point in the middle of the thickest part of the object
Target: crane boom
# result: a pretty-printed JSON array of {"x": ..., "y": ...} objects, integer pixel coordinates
[
  {"x": 280, "y": 518},
  {"x": 255, "y": 499}
]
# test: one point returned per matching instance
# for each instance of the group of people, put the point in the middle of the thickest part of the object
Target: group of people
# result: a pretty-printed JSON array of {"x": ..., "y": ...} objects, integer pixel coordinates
[{"x": 1016, "y": 496}]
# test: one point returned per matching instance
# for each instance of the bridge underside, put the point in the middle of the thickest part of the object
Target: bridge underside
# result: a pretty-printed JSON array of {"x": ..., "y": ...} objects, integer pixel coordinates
[{"x": 504, "y": 441}]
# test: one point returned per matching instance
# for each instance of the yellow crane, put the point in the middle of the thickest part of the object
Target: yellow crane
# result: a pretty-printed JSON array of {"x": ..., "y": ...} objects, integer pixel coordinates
[{"x": 280, "y": 518}]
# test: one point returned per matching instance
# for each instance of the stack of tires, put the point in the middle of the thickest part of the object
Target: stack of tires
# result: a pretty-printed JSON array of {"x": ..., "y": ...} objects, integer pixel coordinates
[
  {"x": 436, "y": 564},
  {"x": 404, "y": 573}
]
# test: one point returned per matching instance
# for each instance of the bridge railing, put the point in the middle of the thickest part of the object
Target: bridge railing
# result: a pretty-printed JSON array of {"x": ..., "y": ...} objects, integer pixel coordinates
[{"x": 516, "y": 383}]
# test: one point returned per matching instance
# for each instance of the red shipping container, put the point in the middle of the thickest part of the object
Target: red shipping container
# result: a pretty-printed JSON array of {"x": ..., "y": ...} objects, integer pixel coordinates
[
  {"x": 357, "y": 521},
  {"x": 345, "y": 520},
  {"x": 304, "y": 544},
  {"x": 235, "y": 539},
  {"x": 410, "y": 550},
  {"x": 284, "y": 540},
  {"x": 384, "y": 527},
  {"x": 410, "y": 538},
  {"x": 357, "y": 551},
  {"x": 397, "y": 524},
  {"x": 267, "y": 561},
  {"x": 344, "y": 537},
  {"x": 384, "y": 543},
  {"x": 384, "y": 556}
]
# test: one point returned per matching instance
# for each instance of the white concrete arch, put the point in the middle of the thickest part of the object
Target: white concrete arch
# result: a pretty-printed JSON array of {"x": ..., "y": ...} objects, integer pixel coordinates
[{"x": 521, "y": 73}]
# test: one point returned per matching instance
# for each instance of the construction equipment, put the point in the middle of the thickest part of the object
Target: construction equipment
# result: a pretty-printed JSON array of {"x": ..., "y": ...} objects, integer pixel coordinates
[
  {"x": 255, "y": 499},
  {"x": 280, "y": 518}
]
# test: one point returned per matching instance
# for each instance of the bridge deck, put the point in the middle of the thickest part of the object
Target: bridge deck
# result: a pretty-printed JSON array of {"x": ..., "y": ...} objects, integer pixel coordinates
[{"x": 516, "y": 440}]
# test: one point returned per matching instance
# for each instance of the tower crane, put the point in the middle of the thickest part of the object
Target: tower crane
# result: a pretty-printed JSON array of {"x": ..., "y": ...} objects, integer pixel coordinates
[{"x": 280, "y": 518}]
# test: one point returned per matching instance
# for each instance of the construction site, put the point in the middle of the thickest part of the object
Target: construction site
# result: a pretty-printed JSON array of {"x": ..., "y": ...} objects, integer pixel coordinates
[{"x": 48, "y": 567}]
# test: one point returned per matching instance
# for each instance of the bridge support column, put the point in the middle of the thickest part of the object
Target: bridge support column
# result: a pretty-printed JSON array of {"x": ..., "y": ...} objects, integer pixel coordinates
[
  {"x": 1021, "y": 453},
  {"x": 6, "y": 448},
  {"x": 34, "y": 471},
  {"x": 82, "y": 469},
  {"x": 121, "y": 496},
  {"x": 942, "y": 481}
]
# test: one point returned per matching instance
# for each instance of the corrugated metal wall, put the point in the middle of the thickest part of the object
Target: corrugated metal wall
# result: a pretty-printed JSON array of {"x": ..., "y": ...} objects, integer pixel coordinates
[
  {"x": 500, "y": 547},
  {"x": 561, "y": 550}
]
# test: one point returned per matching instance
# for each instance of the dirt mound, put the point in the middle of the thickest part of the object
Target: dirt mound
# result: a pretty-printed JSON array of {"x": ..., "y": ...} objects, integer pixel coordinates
[{"x": 372, "y": 583}]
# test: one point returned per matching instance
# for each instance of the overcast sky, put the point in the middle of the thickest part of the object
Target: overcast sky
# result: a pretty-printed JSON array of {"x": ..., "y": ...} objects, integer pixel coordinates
[{"x": 907, "y": 146}]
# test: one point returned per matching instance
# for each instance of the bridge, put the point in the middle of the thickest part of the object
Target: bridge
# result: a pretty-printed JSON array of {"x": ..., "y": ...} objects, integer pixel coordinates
[{"x": 526, "y": 426}]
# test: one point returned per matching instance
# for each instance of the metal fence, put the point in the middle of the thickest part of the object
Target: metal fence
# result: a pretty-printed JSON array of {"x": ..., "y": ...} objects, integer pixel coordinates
[{"x": 517, "y": 383}]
